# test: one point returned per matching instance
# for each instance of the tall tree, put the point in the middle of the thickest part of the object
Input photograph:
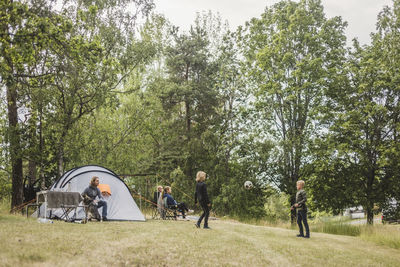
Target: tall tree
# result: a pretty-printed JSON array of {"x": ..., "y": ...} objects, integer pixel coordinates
[
  {"x": 74, "y": 56},
  {"x": 26, "y": 30},
  {"x": 363, "y": 139},
  {"x": 293, "y": 55}
]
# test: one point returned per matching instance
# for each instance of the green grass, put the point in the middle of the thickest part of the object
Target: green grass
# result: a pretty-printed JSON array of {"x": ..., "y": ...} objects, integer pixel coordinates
[
  {"x": 178, "y": 243},
  {"x": 385, "y": 235},
  {"x": 336, "y": 227}
]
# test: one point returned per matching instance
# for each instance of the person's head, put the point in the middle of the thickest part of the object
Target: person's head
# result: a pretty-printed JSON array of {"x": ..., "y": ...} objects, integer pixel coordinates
[
  {"x": 95, "y": 181},
  {"x": 200, "y": 176},
  {"x": 300, "y": 184},
  {"x": 167, "y": 190},
  {"x": 159, "y": 188}
]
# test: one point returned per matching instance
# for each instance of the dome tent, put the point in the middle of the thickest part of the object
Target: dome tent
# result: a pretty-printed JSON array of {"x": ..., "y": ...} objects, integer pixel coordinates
[{"x": 121, "y": 206}]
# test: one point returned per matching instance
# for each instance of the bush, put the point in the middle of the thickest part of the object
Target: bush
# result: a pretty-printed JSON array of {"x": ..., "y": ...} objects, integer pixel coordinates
[
  {"x": 5, "y": 186},
  {"x": 277, "y": 209}
]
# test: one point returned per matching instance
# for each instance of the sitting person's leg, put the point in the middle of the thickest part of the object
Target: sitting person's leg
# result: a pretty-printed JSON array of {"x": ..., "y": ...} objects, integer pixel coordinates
[
  {"x": 183, "y": 208},
  {"x": 103, "y": 204}
]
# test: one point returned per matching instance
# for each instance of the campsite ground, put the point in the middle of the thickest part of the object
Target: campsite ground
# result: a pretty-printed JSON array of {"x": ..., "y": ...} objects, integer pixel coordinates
[{"x": 178, "y": 243}]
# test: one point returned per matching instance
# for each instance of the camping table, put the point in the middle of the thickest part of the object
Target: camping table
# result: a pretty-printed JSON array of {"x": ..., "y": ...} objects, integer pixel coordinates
[{"x": 67, "y": 201}]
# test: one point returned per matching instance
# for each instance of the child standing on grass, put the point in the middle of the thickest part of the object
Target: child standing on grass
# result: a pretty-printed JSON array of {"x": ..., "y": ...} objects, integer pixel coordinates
[
  {"x": 301, "y": 207},
  {"x": 202, "y": 196}
]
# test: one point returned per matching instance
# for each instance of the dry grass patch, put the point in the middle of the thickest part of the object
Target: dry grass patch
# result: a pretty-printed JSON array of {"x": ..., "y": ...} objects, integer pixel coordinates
[{"x": 178, "y": 243}]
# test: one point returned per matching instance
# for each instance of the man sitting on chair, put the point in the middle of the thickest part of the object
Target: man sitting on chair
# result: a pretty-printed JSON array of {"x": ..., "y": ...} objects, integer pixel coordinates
[
  {"x": 172, "y": 204},
  {"x": 90, "y": 194}
]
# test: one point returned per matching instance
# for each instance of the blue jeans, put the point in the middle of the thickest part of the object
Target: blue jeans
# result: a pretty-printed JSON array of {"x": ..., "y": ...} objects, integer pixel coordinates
[
  {"x": 302, "y": 216},
  {"x": 103, "y": 204}
]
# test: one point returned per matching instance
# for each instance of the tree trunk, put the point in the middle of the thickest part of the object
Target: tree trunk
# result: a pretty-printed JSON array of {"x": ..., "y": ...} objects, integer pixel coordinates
[
  {"x": 32, "y": 172},
  {"x": 15, "y": 146},
  {"x": 370, "y": 216},
  {"x": 12, "y": 108},
  {"x": 60, "y": 156},
  {"x": 188, "y": 131}
]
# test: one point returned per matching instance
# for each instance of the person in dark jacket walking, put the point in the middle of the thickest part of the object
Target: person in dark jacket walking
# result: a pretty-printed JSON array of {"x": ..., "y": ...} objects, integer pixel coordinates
[
  {"x": 301, "y": 208},
  {"x": 90, "y": 194},
  {"x": 202, "y": 196}
]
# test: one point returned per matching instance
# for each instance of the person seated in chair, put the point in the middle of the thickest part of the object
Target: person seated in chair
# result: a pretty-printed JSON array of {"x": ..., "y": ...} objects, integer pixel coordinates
[
  {"x": 157, "y": 194},
  {"x": 90, "y": 194},
  {"x": 172, "y": 204}
]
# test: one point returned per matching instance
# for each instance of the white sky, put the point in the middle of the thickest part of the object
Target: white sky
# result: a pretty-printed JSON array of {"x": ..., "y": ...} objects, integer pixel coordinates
[{"x": 361, "y": 15}]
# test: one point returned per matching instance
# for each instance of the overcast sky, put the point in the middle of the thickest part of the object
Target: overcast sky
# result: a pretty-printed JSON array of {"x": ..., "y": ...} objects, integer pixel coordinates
[{"x": 360, "y": 14}]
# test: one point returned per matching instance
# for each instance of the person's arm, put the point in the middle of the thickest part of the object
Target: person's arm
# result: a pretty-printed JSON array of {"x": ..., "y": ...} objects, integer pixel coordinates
[
  {"x": 195, "y": 196},
  {"x": 85, "y": 193},
  {"x": 170, "y": 200},
  {"x": 175, "y": 203},
  {"x": 303, "y": 199},
  {"x": 99, "y": 194}
]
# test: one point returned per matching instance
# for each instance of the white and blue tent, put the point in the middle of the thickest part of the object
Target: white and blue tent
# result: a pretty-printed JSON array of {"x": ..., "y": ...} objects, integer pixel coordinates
[{"x": 121, "y": 206}]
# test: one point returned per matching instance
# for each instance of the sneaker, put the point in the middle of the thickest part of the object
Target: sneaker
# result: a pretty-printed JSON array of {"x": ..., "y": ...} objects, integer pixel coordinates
[
  {"x": 105, "y": 219},
  {"x": 306, "y": 236},
  {"x": 300, "y": 235},
  {"x": 206, "y": 227},
  {"x": 197, "y": 225}
]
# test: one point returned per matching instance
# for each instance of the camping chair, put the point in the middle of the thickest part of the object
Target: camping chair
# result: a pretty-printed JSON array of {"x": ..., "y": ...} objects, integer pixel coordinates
[
  {"x": 155, "y": 213},
  {"x": 166, "y": 212}
]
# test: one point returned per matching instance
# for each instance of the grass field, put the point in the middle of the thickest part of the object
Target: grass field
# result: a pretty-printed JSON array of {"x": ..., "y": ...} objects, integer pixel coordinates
[{"x": 178, "y": 243}]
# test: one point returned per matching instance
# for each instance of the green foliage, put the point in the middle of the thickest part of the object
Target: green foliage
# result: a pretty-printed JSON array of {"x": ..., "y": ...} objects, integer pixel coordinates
[
  {"x": 276, "y": 208},
  {"x": 5, "y": 186},
  {"x": 293, "y": 56},
  {"x": 278, "y": 100},
  {"x": 237, "y": 201},
  {"x": 356, "y": 160}
]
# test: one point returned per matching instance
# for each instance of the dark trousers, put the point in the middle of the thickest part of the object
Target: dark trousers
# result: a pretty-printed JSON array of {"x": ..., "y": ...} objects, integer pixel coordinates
[
  {"x": 182, "y": 208},
  {"x": 302, "y": 216},
  {"x": 103, "y": 204},
  {"x": 206, "y": 213}
]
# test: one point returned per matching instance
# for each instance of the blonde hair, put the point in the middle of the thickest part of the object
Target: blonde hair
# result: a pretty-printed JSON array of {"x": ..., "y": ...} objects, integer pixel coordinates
[
  {"x": 301, "y": 182},
  {"x": 200, "y": 176},
  {"x": 159, "y": 186},
  {"x": 166, "y": 189},
  {"x": 93, "y": 180}
]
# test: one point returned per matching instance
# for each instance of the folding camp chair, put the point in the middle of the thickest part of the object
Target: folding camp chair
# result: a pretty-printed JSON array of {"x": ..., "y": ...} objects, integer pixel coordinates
[
  {"x": 155, "y": 213},
  {"x": 166, "y": 212}
]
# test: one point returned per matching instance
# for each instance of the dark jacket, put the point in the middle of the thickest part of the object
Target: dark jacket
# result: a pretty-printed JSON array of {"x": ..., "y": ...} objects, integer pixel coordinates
[
  {"x": 301, "y": 198},
  {"x": 92, "y": 192},
  {"x": 201, "y": 193},
  {"x": 170, "y": 200},
  {"x": 156, "y": 196}
]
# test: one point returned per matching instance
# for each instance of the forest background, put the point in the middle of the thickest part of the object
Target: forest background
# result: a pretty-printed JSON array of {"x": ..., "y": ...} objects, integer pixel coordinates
[{"x": 279, "y": 99}]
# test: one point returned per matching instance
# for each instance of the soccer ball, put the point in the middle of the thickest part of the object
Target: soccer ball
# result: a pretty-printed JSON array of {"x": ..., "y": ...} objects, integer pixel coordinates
[{"x": 248, "y": 185}]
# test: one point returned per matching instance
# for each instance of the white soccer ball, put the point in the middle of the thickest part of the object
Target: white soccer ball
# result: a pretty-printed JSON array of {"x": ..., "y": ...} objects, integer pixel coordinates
[{"x": 248, "y": 185}]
